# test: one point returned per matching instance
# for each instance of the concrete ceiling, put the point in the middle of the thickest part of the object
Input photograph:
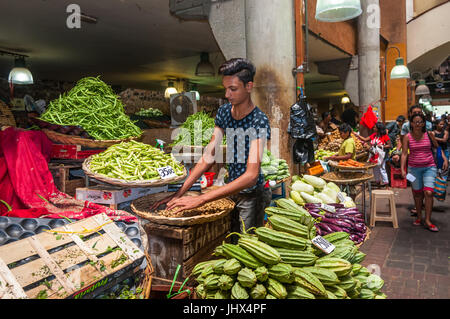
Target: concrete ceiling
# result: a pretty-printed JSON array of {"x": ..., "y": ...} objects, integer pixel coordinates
[
  {"x": 136, "y": 43},
  {"x": 322, "y": 86}
]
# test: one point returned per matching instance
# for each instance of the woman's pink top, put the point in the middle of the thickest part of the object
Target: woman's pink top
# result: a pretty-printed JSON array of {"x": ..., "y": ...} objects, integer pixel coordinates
[{"x": 420, "y": 153}]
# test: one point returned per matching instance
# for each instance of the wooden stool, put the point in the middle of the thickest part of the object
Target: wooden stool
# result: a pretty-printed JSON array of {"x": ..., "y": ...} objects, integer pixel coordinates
[{"x": 388, "y": 194}]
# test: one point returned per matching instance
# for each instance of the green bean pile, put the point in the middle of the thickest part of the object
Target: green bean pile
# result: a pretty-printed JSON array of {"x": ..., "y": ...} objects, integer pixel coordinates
[
  {"x": 92, "y": 105},
  {"x": 196, "y": 130},
  {"x": 133, "y": 161},
  {"x": 150, "y": 112}
]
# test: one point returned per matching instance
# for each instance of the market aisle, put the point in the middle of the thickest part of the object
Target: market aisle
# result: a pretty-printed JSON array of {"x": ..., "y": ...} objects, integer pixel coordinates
[{"x": 414, "y": 261}]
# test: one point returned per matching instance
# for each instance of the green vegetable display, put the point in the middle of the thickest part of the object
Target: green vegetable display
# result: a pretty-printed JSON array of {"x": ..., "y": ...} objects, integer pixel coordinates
[
  {"x": 92, "y": 105},
  {"x": 303, "y": 272},
  {"x": 150, "y": 112},
  {"x": 132, "y": 161},
  {"x": 274, "y": 169},
  {"x": 196, "y": 130}
]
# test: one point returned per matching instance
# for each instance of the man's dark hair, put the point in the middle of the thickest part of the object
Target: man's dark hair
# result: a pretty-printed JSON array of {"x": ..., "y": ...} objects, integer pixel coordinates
[
  {"x": 325, "y": 115},
  {"x": 345, "y": 128},
  {"x": 417, "y": 106},
  {"x": 239, "y": 67},
  {"x": 381, "y": 128},
  {"x": 401, "y": 118}
]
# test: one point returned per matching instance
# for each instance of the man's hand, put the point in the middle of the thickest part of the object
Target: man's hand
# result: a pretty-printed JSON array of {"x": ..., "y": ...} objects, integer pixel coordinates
[
  {"x": 185, "y": 202},
  {"x": 164, "y": 201}
]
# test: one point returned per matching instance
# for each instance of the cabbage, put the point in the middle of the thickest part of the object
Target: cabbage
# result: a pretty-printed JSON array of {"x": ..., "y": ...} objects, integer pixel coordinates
[
  {"x": 310, "y": 199},
  {"x": 325, "y": 198},
  {"x": 297, "y": 198},
  {"x": 333, "y": 186},
  {"x": 299, "y": 186},
  {"x": 314, "y": 181}
]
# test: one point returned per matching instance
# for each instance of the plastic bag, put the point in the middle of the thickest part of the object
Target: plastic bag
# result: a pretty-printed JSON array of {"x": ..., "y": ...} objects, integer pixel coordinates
[
  {"x": 302, "y": 124},
  {"x": 220, "y": 181},
  {"x": 303, "y": 151}
]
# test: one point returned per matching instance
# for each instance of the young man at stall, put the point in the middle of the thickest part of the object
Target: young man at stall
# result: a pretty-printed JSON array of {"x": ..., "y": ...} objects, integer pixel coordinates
[{"x": 247, "y": 129}]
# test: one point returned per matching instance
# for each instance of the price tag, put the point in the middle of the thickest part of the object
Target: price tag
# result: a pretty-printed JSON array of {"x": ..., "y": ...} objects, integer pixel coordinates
[
  {"x": 166, "y": 172},
  {"x": 328, "y": 208},
  {"x": 323, "y": 244},
  {"x": 341, "y": 197}
]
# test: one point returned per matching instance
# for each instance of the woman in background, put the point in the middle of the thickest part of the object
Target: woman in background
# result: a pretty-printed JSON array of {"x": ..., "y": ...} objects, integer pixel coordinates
[{"x": 421, "y": 165}]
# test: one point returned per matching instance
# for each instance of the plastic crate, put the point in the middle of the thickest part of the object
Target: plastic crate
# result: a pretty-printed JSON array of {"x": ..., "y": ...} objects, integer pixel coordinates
[{"x": 396, "y": 178}]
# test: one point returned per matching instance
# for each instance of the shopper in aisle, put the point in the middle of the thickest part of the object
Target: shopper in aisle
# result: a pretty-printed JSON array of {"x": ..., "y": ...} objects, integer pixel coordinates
[
  {"x": 247, "y": 129},
  {"x": 379, "y": 148},
  {"x": 441, "y": 134},
  {"x": 421, "y": 165},
  {"x": 394, "y": 129},
  {"x": 348, "y": 146},
  {"x": 415, "y": 109}
]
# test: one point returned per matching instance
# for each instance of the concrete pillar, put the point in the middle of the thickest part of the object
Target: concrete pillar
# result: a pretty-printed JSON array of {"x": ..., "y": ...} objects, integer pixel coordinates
[
  {"x": 369, "y": 54},
  {"x": 227, "y": 21},
  {"x": 270, "y": 42}
]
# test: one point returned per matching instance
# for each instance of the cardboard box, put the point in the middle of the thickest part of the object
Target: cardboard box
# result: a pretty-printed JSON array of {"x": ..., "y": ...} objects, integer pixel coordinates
[
  {"x": 63, "y": 151},
  {"x": 101, "y": 194}
]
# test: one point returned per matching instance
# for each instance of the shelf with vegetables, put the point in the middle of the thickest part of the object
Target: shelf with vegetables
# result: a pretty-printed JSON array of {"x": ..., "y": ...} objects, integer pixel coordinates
[{"x": 334, "y": 209}]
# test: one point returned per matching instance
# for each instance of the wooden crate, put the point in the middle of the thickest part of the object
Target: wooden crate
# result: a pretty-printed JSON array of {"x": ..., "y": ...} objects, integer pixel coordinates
[
  {"x": 170, "y": 246},
  {"x": 58, "y": 265},
  {"x": 61, "y": 173}
]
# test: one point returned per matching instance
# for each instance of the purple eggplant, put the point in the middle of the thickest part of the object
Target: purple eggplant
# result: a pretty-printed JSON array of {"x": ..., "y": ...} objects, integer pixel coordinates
[
  {"x": 326, "y": 228},
  {"x": 337, "y": 222},
  {"x": 333, "y": 227}
]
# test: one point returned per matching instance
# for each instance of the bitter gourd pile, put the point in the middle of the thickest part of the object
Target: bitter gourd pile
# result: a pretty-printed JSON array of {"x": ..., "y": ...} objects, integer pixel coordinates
[{"x": 250, "y": 270}]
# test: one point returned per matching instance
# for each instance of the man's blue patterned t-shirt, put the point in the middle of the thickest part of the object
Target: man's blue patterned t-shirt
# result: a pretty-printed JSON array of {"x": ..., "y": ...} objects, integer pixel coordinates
[{"x": 239, "y": 134}]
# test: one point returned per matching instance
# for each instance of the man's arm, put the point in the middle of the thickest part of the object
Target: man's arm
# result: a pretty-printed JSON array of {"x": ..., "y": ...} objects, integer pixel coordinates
[
  {"x": 246, "y": 180},
  {"x": 205, "y": 163}
]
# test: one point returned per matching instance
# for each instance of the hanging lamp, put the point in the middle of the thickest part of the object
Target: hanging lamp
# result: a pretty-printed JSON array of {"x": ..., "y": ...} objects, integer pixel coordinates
[
  {"x": 422, "y": 89},
  {"x": 20, "y": 74},
  {"x": 170, "y": 90},
  {"x": 204, "y": 67},
  {"x": 337, "y": 10},
  {"x": 400, "y": 70}
]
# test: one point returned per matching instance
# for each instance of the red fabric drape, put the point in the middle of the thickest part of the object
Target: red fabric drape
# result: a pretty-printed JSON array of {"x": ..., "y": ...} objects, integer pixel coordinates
[{"x": 27, "y": 185}]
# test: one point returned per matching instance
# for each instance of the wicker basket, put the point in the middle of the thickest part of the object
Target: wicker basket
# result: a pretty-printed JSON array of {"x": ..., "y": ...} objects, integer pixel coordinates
[
  {"x": 124, "y": 183},
  {"x": 6, "y": 116},
  {"x": 76, "y": 140},
  {"x": 366, "y": 167},
  {"x": 346, "y": 179},
  {"x": 141, "y": 207}
]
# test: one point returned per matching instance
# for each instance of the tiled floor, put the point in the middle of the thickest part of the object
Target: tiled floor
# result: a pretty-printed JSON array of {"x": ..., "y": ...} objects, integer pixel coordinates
[{"x": 414, "y": 261}]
